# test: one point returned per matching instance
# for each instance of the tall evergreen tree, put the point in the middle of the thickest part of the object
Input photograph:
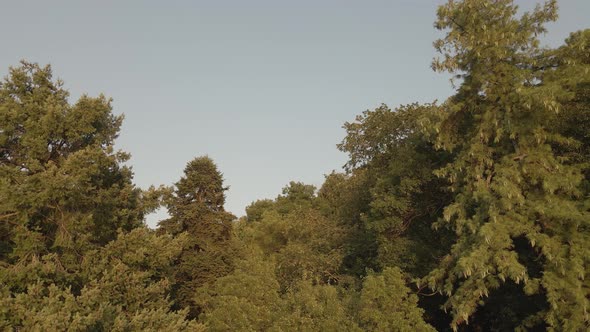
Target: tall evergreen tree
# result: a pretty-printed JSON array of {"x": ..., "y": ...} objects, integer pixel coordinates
[
  {"x": 74, "y": 254},
  {"x": 196, "y": 207},
  {"x": 515, "y": 197},
  {"x": 63, "y": 189}
]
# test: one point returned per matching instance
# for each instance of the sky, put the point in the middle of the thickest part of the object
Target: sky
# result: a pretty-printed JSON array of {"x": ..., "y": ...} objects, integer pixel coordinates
[{"x": 262, "y": 86}]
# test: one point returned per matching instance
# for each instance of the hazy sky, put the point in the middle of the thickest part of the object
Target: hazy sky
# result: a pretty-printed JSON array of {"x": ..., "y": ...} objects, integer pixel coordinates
[{"x": 262, "y": 87}]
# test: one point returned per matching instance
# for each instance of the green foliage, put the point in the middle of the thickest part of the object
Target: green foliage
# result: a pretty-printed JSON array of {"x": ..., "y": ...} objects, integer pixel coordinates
[
  {"x": 255, "y": 210},
  {"x": 250, "y": 299},
  {"x": 387, "y": 304},
  {"x": 296, "y": 268},
  {"x": 196, "y": 208},
  {"x": 62, "y": 187},
  {"x": 124, "y": 288},
  {"x": 484, "y": 198},
  {"x": 573, "y": 120},
  {"x": 73, "y": 252},
  {"x": 295, "y": 196},
  {"x": 392, "y": 151},
  {"x": 346, "y": 198},
  {"x": 245, "y": 300},
  {"x": 305, "y": 244},
  {"x": 315, "y": 308},
  {"x": 508, "y": 180}
]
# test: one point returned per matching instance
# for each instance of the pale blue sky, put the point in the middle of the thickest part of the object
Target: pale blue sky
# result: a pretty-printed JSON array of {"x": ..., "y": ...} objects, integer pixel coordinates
[{"x": 262, "y": 87}]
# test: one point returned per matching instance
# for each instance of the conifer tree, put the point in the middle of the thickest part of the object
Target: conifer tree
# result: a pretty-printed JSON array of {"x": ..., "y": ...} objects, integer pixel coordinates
[
  {"x": 121, "y": 287},
  {"x": 74, "y": 253},
  {"x": 196, "y": 207},
  {"x": 62, "y": 186},
  {"x": 514, "y": 193}
]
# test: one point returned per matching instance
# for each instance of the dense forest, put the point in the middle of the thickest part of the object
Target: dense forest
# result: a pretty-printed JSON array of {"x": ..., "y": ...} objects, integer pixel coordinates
[{"x": 472, "y": 214}]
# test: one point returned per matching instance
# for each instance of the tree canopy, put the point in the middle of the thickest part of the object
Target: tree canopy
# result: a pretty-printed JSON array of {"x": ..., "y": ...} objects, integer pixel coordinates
[{"x": 471, "y": 214}]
